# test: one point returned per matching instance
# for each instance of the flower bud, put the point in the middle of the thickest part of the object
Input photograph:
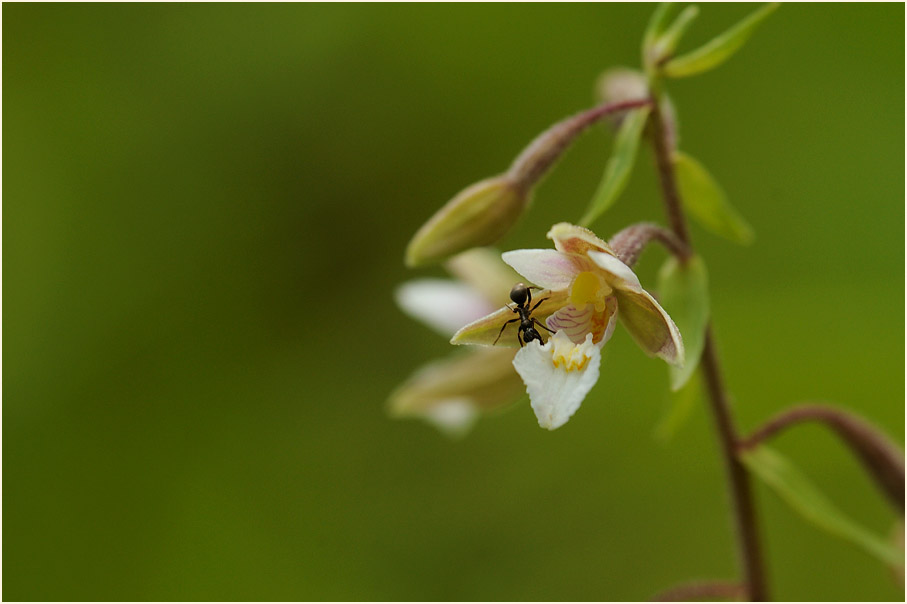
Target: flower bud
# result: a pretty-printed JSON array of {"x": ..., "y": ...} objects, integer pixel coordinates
[
  {"x": 478, "y": 216},
  {"x": 621, "y": 84}
]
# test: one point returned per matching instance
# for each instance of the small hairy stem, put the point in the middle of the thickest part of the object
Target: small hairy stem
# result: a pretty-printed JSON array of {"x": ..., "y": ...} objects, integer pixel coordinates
[
  {"x": 547, "y": 147},
  {"x": 630, "y": 242},
  {"x": 749, "y": 548},
  {"x": 702, "y": 590},
  {"x": 881, "y": 457}
]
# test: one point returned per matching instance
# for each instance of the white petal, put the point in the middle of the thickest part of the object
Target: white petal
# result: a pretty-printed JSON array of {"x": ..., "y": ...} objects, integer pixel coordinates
[
  {"x": 443, "y": 305},
  {"x": 454, "y": 417},
  {"x": 549, "y": 269},
  {"x": 557, "y": 390},
  {"x": 621, "y": 275}
]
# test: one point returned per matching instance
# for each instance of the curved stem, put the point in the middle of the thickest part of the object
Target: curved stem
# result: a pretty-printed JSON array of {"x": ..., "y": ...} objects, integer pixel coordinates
[
  {"x": 541, "y": 153},
  {"x": 881, "y": 457},
  {"x": 629, "y": 243},
  {"x": 749, "y": 547}
]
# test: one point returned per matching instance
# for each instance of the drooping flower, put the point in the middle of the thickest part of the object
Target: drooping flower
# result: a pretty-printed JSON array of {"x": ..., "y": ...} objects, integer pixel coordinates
[
  {"x": 586, "y": 288},
  {"x": 451, "y": 393}
]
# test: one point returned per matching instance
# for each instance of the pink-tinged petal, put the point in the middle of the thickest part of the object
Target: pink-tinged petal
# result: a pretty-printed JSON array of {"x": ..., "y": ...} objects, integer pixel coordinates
[
  {"x": 486, "y": 330},
  {"x": 546, "y": 268},
  {"x": 572, "y": 239},
  {"x": 558, "y": 376},
  {"x": 650, "y": 325},
  {"x": 443, "y": 305},
  {"x": 572, "y": 321},
  {"x": 618, "y": 274},
  {"x": 577, "y": 322}
]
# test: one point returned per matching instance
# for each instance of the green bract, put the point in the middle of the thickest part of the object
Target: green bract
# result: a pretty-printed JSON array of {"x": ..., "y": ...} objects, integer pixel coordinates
[
  {"x": 667, "y": 42},
  {"x": 684, "y": 293},
  {"x": 619, "y": 166},
  {"x": 705, "y": 200},
  {"x": 801, "y": 495},
  {"x": 719, "y": 49}
]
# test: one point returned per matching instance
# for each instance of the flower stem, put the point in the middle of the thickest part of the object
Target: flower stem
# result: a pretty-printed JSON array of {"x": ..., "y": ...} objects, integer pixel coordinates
[
  {"x": 629, "y": 243},
  {"x": 881, "y": 457},
  {"x": 749, "y": 548},
  {"x": 541, "y": 153}
]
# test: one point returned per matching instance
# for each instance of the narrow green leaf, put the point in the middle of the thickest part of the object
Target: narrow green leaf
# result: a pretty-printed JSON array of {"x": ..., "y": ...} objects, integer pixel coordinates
[
  {"x": 619, "y": 166},
  {"x": 680, "y": 406},
  {"x": 704, "y": 198},
  {"x": 719, "y": 49},
  {"x": 683, "y": 290},
  {"x": 656, "y": 25},
  {"x": 667, "y": 42},
  {"x": 800, "y": 494}
]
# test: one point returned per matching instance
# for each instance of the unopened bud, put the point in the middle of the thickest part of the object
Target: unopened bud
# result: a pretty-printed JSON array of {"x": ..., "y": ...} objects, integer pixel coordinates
[
  {"x": 478, "y": 216},
  {"x": 621, "y": 84}
]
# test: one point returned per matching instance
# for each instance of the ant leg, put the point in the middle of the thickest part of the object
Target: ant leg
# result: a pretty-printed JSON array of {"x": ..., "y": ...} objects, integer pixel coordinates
[
  {"x": 520, "y": 338},
  {"x": 537, "y": 305},
  {"x": 539, "y": 323},
  {"x": 502, "y": 330}
]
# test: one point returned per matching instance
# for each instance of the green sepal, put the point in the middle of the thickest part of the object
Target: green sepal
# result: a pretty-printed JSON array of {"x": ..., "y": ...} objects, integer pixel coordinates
[
  {"x": 706, "y": 201},
  {"x": 620, "y": 164},
  {"x": 805, "y": 499},
  {"x": 719, "y": 49},
  {"x": 683, "y": 289}
]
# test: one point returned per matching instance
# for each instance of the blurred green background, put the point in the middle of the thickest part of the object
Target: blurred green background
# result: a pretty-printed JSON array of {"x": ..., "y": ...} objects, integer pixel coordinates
[{"x": 205, "y": 212}]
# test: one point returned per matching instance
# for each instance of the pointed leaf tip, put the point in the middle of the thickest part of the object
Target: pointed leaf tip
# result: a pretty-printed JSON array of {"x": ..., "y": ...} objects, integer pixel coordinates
[
  {"x": 619, "y": 166},
  {"x": 706, "y": 201},
  {"x": 805, "y": 499},
  {"x": 719, "y": 49}
]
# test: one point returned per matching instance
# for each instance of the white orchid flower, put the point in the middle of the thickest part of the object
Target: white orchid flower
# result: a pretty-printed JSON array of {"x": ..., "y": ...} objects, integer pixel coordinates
[
  {"x": 451, "y": 393},
  {"x": 586, "y": 288}
]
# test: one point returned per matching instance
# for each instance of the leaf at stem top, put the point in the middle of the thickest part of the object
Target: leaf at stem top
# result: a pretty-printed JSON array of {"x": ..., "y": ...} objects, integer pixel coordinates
[
  {"x": 665, "y": 44},
  {"x": 705, "y": 200},
  {"x": 801, "y": 495},
  {"x": 719, "y": 49},
  {"x": 656, "y": 25},
  {"x": 619, "y": 166},
  {"x": 684, "y": 292}
]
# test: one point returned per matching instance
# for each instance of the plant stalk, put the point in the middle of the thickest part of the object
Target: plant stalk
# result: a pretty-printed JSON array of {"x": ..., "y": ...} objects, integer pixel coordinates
[{"x": 749, "y": 548}]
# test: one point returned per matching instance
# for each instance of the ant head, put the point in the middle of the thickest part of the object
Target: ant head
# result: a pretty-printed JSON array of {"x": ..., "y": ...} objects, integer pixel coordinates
[{"x": 519, "y": 293}]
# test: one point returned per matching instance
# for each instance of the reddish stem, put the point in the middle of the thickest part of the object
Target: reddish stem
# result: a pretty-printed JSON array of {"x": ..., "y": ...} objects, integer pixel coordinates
[
  {"x": 749, "y": 548},
  {"x": 547, "y": 147},
  {"x": 882, "y": 458}
]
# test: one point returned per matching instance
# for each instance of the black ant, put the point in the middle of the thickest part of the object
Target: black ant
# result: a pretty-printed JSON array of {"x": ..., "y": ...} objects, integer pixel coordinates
[{"x": 522, "y": 297}]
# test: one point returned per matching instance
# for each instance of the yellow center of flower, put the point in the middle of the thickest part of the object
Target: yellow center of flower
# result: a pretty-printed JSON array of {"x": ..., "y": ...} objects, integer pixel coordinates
[
  {"x": 589, "y": 288},
  {"x": 568, "y": 356}
]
